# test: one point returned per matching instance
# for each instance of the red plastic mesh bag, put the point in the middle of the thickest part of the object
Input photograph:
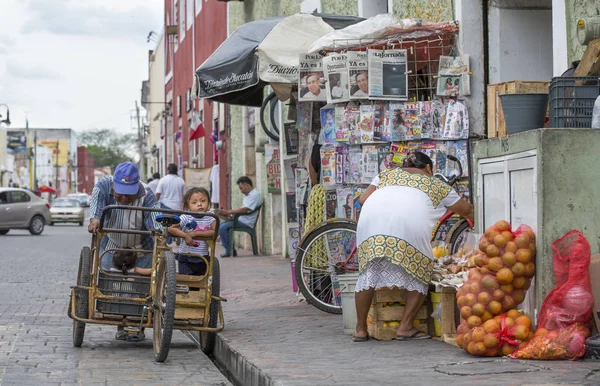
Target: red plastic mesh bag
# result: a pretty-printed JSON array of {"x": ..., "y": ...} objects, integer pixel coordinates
[{"x": 566, "y": 315}]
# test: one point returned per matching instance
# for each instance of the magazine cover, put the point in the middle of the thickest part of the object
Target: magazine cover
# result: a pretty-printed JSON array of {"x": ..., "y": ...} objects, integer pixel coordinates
[
  {"x": 292, "y": 211},
  {"x": 331, "y": 202},
  {"x": 305, "y": 146},
  {"x": 304, "y": 117},
  {"x": 367, "y": 116},
  {"x": 354, "y": 159},
  {"x": 384, "y": 157},
  {"x": 356, "y": 192},
  {"x": 380, "y": 128},
  {"x": 327, "y": 136},
  {"x": 430, "y": 149},
  {"x": 412, "y": 121},
  {"x": 342, "y": 131},
  {"x": 398, "y": 151},
  {"x": 425, "y": 115},
  {"x": 301, "y": 177},
  {"x": 311, "y": 82},
  {"x": 440, "y": 157},
  {"x": 438, "y": 118},
  {"x": 370, "y": 163},
  {"x": 457, "y": 121},
  {"x": 344, "y": 202},
  {"x": 388, "y": 78},
  {"x": 336, "y": 73},
  {"x": 453, "y": 76},
  {"x": 352, "y": 118},
  {"x": 341, "y": 164},
  {"x": 459, "y": 150},
  {"x": 328, "y": 165},
  {"x": 358, "y": 75},
  {"x": 462, "y": 188},
  {"x": 291, "y": 138},
  {"x": 395, "y": 121}
]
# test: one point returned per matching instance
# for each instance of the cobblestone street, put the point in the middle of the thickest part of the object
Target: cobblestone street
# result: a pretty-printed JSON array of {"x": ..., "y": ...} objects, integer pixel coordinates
[{"x": 35, "y": 332}]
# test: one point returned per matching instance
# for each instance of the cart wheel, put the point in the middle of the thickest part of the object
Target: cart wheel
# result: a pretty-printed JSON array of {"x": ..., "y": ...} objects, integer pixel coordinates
[
  {"x": 164, "y": 306},
  {"x": 208, "y": 339},
  {"x": 81, "y": 296}
]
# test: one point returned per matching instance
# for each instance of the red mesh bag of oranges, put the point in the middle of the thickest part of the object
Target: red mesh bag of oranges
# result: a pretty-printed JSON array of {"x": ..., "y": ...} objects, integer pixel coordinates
[
  {"x": 566, "y": 315},
  {"x": 499, "y": 336},
  {"x": 505, "y": 264}
]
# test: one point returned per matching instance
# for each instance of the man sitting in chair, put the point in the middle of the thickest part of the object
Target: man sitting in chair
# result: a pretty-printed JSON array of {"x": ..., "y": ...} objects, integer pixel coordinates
[{"x": 252, "y": 201}]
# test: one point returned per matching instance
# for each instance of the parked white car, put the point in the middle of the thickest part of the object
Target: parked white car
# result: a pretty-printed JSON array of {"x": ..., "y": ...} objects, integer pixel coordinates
[{"x": 21, "y": 209}]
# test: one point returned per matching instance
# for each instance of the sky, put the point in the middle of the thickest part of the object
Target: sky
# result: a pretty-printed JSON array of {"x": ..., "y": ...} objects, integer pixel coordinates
[{"x": 75, "y": 63}]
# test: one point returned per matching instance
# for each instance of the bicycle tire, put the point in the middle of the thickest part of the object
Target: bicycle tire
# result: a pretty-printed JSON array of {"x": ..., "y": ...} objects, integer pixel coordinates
[
  {"x": 208, "y": 339},
  {"x": 166, "y": 284},
  {"x": 263, "y": 124},
  {"x": 82, "y": 296},
  {"x": 455, "y": 233},
  {"x": 301, "y": 255}
]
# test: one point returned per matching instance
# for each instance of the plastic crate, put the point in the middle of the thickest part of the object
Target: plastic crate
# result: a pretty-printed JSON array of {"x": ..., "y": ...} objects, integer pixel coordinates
[
  {"x": 125, "y": 286},
  {"x": 572, "y": 101}
]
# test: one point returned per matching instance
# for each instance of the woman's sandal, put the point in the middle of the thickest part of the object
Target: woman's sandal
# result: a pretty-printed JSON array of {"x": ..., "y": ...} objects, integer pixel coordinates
[
  {"x": 361, "y": 338},
  {"x": 419, "y": 335}
]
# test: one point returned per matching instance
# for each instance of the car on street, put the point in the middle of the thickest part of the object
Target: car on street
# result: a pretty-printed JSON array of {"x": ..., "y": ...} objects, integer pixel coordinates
[
  {"x": 66, "y": 210},
  {"x": 83, "y": 198},
  {"x": 22, "y": 209}
]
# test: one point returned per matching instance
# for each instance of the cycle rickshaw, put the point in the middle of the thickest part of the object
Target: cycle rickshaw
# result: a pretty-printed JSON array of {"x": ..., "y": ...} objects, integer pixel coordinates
[{"x": 163, "y": 301}]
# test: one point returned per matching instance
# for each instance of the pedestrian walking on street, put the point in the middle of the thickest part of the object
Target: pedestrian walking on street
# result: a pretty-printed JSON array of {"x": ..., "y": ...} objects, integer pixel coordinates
[
  {"x": 153, "y": 185},
  {"x": 171, "y": 189},
  {"x": 401, "y": 207},
  {"x": 252, "y": 200}
]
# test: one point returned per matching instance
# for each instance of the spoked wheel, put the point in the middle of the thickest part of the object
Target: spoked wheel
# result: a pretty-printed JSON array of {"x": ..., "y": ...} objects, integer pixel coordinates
[
  {"x": 321, "y": 257},
  {"x": 164, "y": 306},
  {"x": 457, "y": 234},
  {"x": 81, "y": 296},
  {"x": 208, "y": 339}
]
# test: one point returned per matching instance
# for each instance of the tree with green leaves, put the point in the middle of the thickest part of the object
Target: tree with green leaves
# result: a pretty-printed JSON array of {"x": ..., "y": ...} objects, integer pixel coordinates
[{"x": 108, "y": 147}]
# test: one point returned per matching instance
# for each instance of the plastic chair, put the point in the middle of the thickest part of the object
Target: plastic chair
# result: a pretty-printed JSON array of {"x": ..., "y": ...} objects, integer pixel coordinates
[{"x": 237, "y": 227}]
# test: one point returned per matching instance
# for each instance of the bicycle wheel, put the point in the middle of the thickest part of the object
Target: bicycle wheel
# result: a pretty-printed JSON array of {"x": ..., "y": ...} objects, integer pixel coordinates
[
  {"x": 327, "y": 251},
  {"x": 164, "y": 307},
  {"x": 81, "y": 296},
  {"x": 456, "y": 235}
]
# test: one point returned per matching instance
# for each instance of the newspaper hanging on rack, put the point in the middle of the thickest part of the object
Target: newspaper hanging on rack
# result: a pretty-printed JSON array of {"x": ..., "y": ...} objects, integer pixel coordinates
[
  {"x": 358, "y": 75},
  {"x": 388, "y": 77},
  {"x": 336, "y": 73},
  {"x": 311, "y": 83}
]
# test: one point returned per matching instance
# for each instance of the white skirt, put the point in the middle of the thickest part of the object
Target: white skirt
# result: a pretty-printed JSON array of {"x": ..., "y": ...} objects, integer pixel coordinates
[{"x": 381, "y": 273}]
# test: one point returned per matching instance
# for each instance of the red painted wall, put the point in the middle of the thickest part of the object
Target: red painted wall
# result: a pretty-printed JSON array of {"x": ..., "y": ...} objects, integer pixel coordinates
[{"x": 85, "y": 171}]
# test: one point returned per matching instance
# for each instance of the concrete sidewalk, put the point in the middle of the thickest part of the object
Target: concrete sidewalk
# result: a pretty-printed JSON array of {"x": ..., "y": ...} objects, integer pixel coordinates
[{"x": 271, "y": 338}]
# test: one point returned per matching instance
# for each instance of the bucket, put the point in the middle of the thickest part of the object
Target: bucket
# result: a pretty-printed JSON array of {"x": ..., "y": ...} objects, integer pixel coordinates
[
  {"x": 436, "y": 298},
  {"x": 524, "y": 112},
  {"x": 347, "y": 283}
]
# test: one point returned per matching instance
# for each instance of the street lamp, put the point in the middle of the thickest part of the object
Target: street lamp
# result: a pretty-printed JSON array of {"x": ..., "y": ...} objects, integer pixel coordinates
[{"x": 7, "y": 120}]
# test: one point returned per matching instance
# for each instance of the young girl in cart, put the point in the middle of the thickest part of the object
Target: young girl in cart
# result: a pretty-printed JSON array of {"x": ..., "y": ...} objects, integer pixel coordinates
[{"x": 189, "y": 228}]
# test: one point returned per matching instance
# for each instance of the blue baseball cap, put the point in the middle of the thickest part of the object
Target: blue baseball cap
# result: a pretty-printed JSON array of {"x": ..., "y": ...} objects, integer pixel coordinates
[{"x": 126, "y": 179}]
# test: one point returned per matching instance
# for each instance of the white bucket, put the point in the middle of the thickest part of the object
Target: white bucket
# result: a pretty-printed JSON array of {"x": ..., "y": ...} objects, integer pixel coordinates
[{"x": 347, "y": 285}]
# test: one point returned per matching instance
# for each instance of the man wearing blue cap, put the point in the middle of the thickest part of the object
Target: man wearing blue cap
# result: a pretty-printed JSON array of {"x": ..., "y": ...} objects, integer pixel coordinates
[{"x": 124, "y": 188}]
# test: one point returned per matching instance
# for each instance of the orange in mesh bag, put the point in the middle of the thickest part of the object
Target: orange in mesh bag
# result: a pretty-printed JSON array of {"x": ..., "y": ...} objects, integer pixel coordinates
[
  {"x": 499, "y": 336},
  {"x": 566, "y": 314}
]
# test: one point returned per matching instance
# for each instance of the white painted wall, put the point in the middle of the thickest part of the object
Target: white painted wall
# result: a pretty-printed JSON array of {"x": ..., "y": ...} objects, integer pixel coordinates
[
  {"x": 308, "y": 6},
  {"x": 520, "y": 45},
  {"x": 559, "y": 37},
  {"x": 369, "y": 8}
]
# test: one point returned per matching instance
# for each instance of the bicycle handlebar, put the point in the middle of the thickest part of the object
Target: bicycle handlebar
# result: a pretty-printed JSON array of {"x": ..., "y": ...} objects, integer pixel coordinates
[{"x": 452, "y": 180}]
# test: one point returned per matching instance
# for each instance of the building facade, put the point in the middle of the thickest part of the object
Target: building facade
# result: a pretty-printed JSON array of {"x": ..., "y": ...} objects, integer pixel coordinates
[{"x": 85, "y": 170}]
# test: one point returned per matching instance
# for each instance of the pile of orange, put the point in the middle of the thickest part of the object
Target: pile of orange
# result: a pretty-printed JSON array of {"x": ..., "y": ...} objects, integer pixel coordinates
[{"x": 505, "y": 265}]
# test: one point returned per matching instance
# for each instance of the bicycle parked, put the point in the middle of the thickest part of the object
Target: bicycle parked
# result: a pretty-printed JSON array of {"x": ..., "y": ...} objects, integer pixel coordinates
[{"x": 329, "y": 250}]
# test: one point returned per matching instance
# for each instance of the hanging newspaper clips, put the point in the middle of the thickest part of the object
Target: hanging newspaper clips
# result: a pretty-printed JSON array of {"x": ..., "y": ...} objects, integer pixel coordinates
[
  {"x": 311, "y": 83},
  {"x": 358, "y": 75},
  {"x": 336, "y": 73},
  {"x": 388, "y": 78}
]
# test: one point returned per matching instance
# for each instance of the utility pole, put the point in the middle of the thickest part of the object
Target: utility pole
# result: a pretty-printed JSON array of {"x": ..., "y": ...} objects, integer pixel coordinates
[
  {"x": 142, "y": 168},
  {"x": 56, "y": 165},
  {"x": 35, "y": 162}
]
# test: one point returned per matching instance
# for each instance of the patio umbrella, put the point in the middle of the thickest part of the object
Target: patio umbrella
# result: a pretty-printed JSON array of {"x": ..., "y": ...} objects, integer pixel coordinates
[
  {"x": 262, "y": 52},
  {"x": 47, "y": 189}
]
